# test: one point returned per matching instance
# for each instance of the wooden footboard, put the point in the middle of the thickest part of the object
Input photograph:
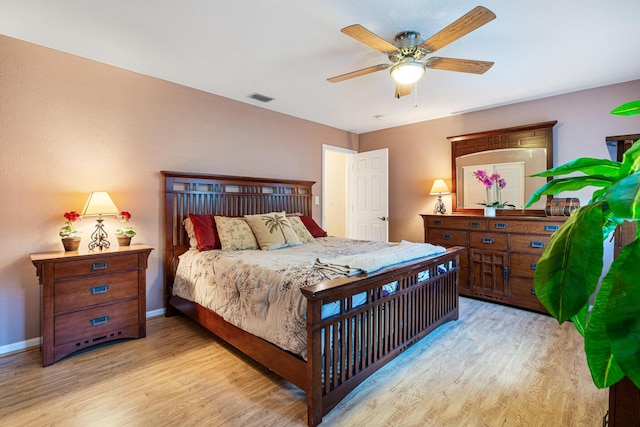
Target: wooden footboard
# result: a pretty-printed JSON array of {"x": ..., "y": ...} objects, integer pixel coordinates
[
  {"x": 346, "y": 348},
  {"x": 343, "y": 349}
]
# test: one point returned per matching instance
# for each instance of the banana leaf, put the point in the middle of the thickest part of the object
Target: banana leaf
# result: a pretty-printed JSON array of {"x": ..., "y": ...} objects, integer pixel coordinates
[
  {"x": 586, "y": 165},
  {"x": 622, "y": 315},
  {"x": 624, "y": 197},
  {"x": 568, "y": 271},
  {"x": 568, "y": 184}
]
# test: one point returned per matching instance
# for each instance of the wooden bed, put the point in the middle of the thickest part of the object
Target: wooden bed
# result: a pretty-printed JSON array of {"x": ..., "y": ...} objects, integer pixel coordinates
[{"x": 360, "y": 340}]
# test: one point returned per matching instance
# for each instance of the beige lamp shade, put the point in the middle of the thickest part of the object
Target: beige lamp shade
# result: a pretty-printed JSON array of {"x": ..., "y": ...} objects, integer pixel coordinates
[
  {"x": 439, "y": 187},
  {"x": 99, "y": 203}
]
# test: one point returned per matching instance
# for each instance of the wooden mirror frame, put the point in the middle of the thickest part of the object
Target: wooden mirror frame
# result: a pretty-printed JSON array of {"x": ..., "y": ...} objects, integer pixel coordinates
[{"x": 513, "y": 137}]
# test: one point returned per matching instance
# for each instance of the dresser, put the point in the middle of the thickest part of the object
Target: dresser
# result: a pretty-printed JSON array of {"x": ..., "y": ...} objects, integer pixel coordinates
[
  {"x": 88, "y": 298},
  {"x": 501, "y": 256}
]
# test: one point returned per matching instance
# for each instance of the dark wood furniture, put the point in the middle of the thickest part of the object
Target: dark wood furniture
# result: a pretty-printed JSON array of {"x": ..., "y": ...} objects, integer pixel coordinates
[
  {"x": 501, "y": 253},
  {"x": 343, "y": 349},
  {"x": 536, "y": 135},
  {"x": 89, "y": 298}
]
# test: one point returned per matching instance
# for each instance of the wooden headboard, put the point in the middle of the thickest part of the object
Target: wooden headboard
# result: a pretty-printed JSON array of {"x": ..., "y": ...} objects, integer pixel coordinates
[{"x": 196, "y": 193}]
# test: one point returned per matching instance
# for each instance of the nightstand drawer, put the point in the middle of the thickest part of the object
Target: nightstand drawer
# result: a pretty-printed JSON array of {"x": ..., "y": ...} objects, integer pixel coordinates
[
  {"x": 95, "y": 321},
  {"x": 493, "y": 241},
  {"x": 88, "y": 291},
  {"x": 531, "y": 243},
  {"x": 448, "y": 237},
  {"x": 102, "y": 264}
]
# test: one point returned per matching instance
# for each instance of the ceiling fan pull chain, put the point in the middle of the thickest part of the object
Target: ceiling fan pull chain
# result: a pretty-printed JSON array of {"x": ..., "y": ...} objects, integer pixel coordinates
[{"x": 415, "y": 93}]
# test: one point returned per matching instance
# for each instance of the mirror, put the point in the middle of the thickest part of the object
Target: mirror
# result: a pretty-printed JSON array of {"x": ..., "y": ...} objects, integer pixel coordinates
[{"x": 515, "y": 153}]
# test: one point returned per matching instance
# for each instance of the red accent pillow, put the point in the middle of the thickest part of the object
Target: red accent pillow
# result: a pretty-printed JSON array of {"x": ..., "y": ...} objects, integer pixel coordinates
[
  {"x": 204, "y": 228},
  {"x": 312, "y": 226}
]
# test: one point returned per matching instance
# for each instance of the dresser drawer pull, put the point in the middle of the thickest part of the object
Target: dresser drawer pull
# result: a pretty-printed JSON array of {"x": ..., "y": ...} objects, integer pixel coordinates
[
  {"x": 501, "y": 225},
  {"x": 488, "y": 240},
  {"x": 537, "y": 244},
  {"x": 551, "y": 227},
  {"x": 99, "y": 320},
  {"x": 533, "y": 291},
  {"x": 97, "y": 290},
  {"x": 447, "y": 237},
  {"x": 437, "y": 222},
  {"x": 474, "y": 224},
  {"x": 505, "y": 273},
  {"x": 533, "y": 265},
  {"x": 99, "y": 265}
]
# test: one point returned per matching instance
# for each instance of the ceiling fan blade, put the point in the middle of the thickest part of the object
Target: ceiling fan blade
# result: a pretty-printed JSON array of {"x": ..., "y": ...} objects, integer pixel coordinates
[
  {"x": 461, "y": 65},
  {"x": 474, "y": 19},
  {"x": 358, "y": 73},
  {"x": 402, "y": 90},
  {"x": 365, "y": 36}
]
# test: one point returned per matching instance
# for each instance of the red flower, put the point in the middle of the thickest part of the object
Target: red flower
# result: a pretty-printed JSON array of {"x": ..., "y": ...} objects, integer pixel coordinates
[
  {"x": 72, "y": 216},
  {"x": 124, "y": 215}
]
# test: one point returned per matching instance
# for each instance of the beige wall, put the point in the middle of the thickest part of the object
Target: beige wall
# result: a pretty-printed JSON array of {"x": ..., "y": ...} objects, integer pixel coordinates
[
  {"x": 420, "y": 153},
  {"x": 69, "y": 126}
]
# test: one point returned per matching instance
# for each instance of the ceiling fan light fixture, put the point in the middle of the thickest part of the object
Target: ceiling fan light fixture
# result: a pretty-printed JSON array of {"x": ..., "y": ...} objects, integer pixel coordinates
[{"x": 407, "y": 71}]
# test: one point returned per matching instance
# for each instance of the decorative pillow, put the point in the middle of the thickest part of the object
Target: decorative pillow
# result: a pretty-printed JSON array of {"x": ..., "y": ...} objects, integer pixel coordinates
[
  {"x": 188, "y": 226},
  {"x": 235, "y": 234},
  {"x": 273, "y": 230},
  {"x": 300, "y": 229},
  {"x": 312, "y": 226},
  {"x": 205, "y": 231}
]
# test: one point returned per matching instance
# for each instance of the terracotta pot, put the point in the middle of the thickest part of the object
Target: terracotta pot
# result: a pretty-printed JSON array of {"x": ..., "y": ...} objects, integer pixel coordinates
[
  {"x": 124, "y": 240},
  {"x": 71, "y": 243}
]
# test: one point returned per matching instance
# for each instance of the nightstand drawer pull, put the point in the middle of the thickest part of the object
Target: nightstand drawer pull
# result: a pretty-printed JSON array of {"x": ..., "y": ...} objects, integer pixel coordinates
[
  {"x": 537, "y": 244},
  {"x": 474, "y": 224},
  {"x": 551, "y": 227},
  {"x": 501, "y": 225},
  {"x": 97, "y": 290},
  {"x": 488, "y": 240},
  {"x": 447, "y": 237},
  {"x": 99, "y": 265},
  {"x": 437, "y": 222},
  {"x": 99, "y": 320},
  {"x": 533, "y": 265}
]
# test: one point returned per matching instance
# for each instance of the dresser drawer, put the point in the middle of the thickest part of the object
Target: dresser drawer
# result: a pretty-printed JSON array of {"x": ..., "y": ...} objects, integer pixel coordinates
[
  {"x": 83, "y": 292},
  {"x": 95, "y": 321},
  {"x": 102, "y": 264},
  {"x": 462, "y": 223},
  {"x": 493, "y": 241},
  {"x": 531, "y": 243},
  {"x": 521, "y": 226},
  {"x": 448, "y": 237},
  {"x": 524, "y": 265}
]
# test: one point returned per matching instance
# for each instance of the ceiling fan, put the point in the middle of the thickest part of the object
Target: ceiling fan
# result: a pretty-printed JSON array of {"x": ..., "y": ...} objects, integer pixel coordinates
[{"x": 409, "y": 49}]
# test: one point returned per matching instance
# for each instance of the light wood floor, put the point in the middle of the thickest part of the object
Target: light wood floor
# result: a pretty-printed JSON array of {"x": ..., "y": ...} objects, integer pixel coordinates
[{"x": 496, "y": 366}]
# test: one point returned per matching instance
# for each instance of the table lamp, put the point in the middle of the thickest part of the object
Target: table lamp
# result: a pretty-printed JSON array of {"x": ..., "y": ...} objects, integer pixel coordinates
[
  {"x": 439, "y": 188},
  {"x": 98, "y": 204}
]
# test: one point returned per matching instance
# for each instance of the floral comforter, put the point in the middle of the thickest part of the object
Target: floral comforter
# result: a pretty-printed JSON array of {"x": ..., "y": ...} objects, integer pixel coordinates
[{"x": 257, "y": 291}]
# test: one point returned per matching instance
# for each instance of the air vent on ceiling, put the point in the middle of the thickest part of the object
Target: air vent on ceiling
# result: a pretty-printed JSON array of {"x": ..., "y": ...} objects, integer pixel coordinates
[{"x": 261, "y": 98}]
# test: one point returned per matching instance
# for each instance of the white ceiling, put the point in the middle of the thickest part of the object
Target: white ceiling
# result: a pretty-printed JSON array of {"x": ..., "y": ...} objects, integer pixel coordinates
[{"x": 286, "y": 49}]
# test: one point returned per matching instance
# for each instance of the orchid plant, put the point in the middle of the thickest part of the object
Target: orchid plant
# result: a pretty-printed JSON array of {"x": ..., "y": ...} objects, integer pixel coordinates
[
  {"x": 489, "y": 181},
  {"x": 125, "y": 229},
  {"x": 69, "y": 231}
]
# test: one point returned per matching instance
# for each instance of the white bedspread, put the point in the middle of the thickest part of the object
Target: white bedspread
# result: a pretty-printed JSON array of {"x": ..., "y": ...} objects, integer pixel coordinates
[{"x": 258, "y": 290}]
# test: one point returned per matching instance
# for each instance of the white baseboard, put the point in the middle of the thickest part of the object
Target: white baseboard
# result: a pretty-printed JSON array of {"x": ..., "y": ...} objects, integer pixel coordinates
[{"x": 35, "y": 342}]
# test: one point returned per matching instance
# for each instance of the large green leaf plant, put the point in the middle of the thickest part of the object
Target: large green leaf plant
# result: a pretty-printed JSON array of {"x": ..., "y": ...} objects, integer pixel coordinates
[{"x": 571, "y": 280}]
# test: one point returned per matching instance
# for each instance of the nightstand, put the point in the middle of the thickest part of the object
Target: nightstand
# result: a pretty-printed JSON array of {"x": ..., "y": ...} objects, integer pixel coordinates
[{"x": 91, "y": 297}]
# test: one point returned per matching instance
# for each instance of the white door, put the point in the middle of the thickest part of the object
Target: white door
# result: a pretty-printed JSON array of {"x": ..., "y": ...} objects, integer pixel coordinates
[{"x": 370, "y": 196}]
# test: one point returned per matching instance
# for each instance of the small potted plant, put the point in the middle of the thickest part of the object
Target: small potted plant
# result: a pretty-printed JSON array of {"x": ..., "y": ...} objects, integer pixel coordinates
[
  {"x": 125, "y": 232},
  {"x": 488, "y": 181},
  {"x": 69, "y": 233}
]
